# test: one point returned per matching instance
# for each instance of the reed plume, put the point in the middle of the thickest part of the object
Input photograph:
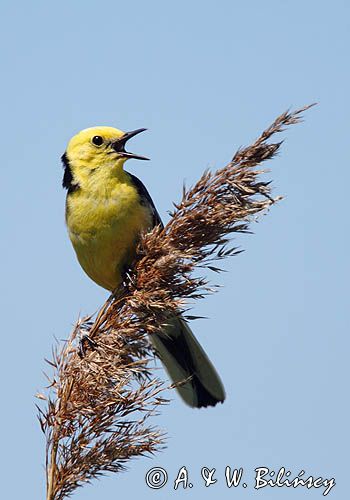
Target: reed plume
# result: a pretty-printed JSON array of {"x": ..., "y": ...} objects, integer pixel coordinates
[{"x": 95, "y": 413}]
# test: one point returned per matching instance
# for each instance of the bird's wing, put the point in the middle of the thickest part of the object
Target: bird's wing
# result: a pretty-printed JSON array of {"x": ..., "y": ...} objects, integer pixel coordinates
[{"x": 146, "y": 200}]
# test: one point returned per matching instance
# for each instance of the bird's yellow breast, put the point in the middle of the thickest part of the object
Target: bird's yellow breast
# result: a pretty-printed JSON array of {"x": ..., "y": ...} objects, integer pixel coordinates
[{"x": 104, "y": 228}]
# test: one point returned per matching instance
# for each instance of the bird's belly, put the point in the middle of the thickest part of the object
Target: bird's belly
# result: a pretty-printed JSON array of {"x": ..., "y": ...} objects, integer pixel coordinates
[{"x": 106, "y": 244}]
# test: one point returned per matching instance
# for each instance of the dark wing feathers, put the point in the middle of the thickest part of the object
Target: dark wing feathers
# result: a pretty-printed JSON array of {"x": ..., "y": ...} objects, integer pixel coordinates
[{"x": 146, "y": 199}]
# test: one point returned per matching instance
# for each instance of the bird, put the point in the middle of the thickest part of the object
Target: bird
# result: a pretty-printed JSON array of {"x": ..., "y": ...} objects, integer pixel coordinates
[{"x": 107, "y": 210}]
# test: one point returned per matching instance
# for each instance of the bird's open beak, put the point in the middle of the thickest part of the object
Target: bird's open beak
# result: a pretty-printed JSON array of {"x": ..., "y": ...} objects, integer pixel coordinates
[{"x": 119, "y": 145}]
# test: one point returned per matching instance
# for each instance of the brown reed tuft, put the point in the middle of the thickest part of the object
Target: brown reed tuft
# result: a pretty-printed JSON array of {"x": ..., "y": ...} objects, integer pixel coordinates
[{"x": 97, "y": 407}]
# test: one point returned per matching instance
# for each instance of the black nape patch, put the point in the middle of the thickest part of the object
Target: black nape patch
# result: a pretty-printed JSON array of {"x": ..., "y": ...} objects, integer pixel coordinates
[{"x": 67, "y": 181}]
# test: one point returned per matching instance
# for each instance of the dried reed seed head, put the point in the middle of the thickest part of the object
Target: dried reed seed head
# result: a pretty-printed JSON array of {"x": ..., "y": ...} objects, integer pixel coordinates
[{"x": 97, "y": 410}]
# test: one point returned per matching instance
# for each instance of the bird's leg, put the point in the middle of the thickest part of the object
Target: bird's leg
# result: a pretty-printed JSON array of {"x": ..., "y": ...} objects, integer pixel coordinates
[
  {"x": 127, "y": 277},
  {"x": 85, "y": 339},
  {"x": 118, "y": 293},
  {"x": 113, "y": 295}
]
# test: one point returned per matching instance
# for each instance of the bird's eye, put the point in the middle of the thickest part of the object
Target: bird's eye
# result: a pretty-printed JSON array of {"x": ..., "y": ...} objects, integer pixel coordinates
[{"x": 97, "y": 140}]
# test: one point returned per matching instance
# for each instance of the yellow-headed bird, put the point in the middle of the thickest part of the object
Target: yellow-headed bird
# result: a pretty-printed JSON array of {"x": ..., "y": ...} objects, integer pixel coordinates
[{"x": 107, "y": 209}]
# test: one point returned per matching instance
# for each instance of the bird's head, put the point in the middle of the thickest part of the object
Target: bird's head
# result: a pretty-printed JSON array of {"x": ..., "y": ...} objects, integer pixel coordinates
[{"x": 98, "y": 149}]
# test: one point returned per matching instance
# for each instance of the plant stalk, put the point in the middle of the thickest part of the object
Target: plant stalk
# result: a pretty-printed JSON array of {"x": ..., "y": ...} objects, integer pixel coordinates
[{"x": 51, "y": 476}]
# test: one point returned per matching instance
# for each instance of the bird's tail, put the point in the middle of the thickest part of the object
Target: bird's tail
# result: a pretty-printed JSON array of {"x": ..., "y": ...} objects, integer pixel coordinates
[{"x": 184, "y": 359}]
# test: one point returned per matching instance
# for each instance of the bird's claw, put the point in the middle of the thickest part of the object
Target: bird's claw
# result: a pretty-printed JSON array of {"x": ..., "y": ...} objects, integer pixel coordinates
[
  {"x": 85, "y": 339},
  {"x": 127, "y": 278}
]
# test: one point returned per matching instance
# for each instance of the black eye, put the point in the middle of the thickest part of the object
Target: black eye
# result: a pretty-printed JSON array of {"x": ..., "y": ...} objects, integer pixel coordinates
[{"x": 97, "y": 140}]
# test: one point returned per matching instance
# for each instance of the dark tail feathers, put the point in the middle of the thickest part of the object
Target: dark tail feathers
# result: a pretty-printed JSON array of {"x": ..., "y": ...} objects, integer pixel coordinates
[{"x": 184, "y": 359}]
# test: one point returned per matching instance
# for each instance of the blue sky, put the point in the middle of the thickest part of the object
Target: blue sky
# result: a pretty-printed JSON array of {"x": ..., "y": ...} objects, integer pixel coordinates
[{"x": 204, "y": 78}]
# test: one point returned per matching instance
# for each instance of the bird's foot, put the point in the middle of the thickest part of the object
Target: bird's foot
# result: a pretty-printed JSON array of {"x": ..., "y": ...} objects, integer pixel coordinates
[
  {"x": 85, "y": 340},
  {"x": 117, "y": 292},
  {"x": 127, "y": 278}
]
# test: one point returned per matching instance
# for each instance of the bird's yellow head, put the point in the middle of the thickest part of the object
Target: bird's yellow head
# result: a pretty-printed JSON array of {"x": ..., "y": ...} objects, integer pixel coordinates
[{"x": 98, "y": 150}]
